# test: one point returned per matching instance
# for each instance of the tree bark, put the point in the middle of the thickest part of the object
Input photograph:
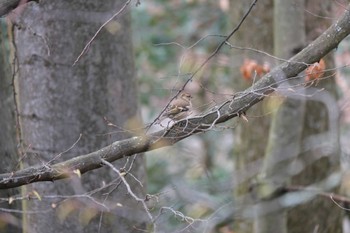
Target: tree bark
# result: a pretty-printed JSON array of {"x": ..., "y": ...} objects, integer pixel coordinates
[
  {"x": 250, "y": 138},
  {"x": 63, "y": 110},
  {"x": 284, "y": 143},
  {"x": 320, "y": 157},
  {"x": 9, "y": 222}
]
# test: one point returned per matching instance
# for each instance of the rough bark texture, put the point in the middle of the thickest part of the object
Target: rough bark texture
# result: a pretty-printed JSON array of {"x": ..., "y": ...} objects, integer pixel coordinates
[
  {"x": 9, "y": 222},
  {"x": 251, "y": 137},
  {"x": 58, "y": 103}
]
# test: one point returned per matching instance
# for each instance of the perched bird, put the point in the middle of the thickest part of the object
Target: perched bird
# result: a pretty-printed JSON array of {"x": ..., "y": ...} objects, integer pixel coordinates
[{"x": 179, "y": 108}]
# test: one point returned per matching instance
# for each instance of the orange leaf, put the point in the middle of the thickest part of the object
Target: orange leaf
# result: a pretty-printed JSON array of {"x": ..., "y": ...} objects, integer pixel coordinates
[
  {"x": 251, "y": 67},
  {"x": 315, "y": 71}
]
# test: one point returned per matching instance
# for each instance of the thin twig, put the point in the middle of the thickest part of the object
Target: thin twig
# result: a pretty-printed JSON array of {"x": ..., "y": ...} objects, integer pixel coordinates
[
  {"x": 87, "y": 46},
  {"x": 205, "y": 62},
  {"x": 129, "y": 188}
]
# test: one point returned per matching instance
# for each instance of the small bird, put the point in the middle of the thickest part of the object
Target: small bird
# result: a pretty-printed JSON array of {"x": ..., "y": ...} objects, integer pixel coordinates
[{"x": 179, "y": 108}]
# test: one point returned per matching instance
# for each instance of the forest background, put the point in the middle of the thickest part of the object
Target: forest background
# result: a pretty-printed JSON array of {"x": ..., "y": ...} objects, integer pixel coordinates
[{"x": 281, "y": 166}]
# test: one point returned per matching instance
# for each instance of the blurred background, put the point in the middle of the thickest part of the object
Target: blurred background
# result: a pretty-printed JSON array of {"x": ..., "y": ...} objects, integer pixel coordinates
[
  {"x": 210, "y": 177},
  {"x": 283, "y": 167}
]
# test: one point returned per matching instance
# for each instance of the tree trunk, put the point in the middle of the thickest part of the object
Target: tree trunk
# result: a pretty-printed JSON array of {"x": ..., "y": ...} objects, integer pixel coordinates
[
  {"x": 59, "y": 102},
  {"x": 320, "y": 155},
  {"x": 9, "y": 222},
  {"x": 282, "y": 147},
  {"x": 250, "y": 137}
]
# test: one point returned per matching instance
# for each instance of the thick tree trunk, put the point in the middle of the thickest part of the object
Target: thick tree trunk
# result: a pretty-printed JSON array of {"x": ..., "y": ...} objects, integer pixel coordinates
[{"x": 58, "y": 103}]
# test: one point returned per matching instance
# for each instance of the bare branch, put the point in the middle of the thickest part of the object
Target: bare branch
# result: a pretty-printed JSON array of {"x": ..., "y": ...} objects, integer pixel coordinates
[
  {"x": 128, "y": 188},
  {"x": 87, "y": 46},
  {"x": 229, "y": 109}
]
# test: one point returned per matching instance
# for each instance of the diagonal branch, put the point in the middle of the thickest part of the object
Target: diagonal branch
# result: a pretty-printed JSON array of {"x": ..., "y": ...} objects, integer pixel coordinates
[{"x": 229, "y": 109}]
